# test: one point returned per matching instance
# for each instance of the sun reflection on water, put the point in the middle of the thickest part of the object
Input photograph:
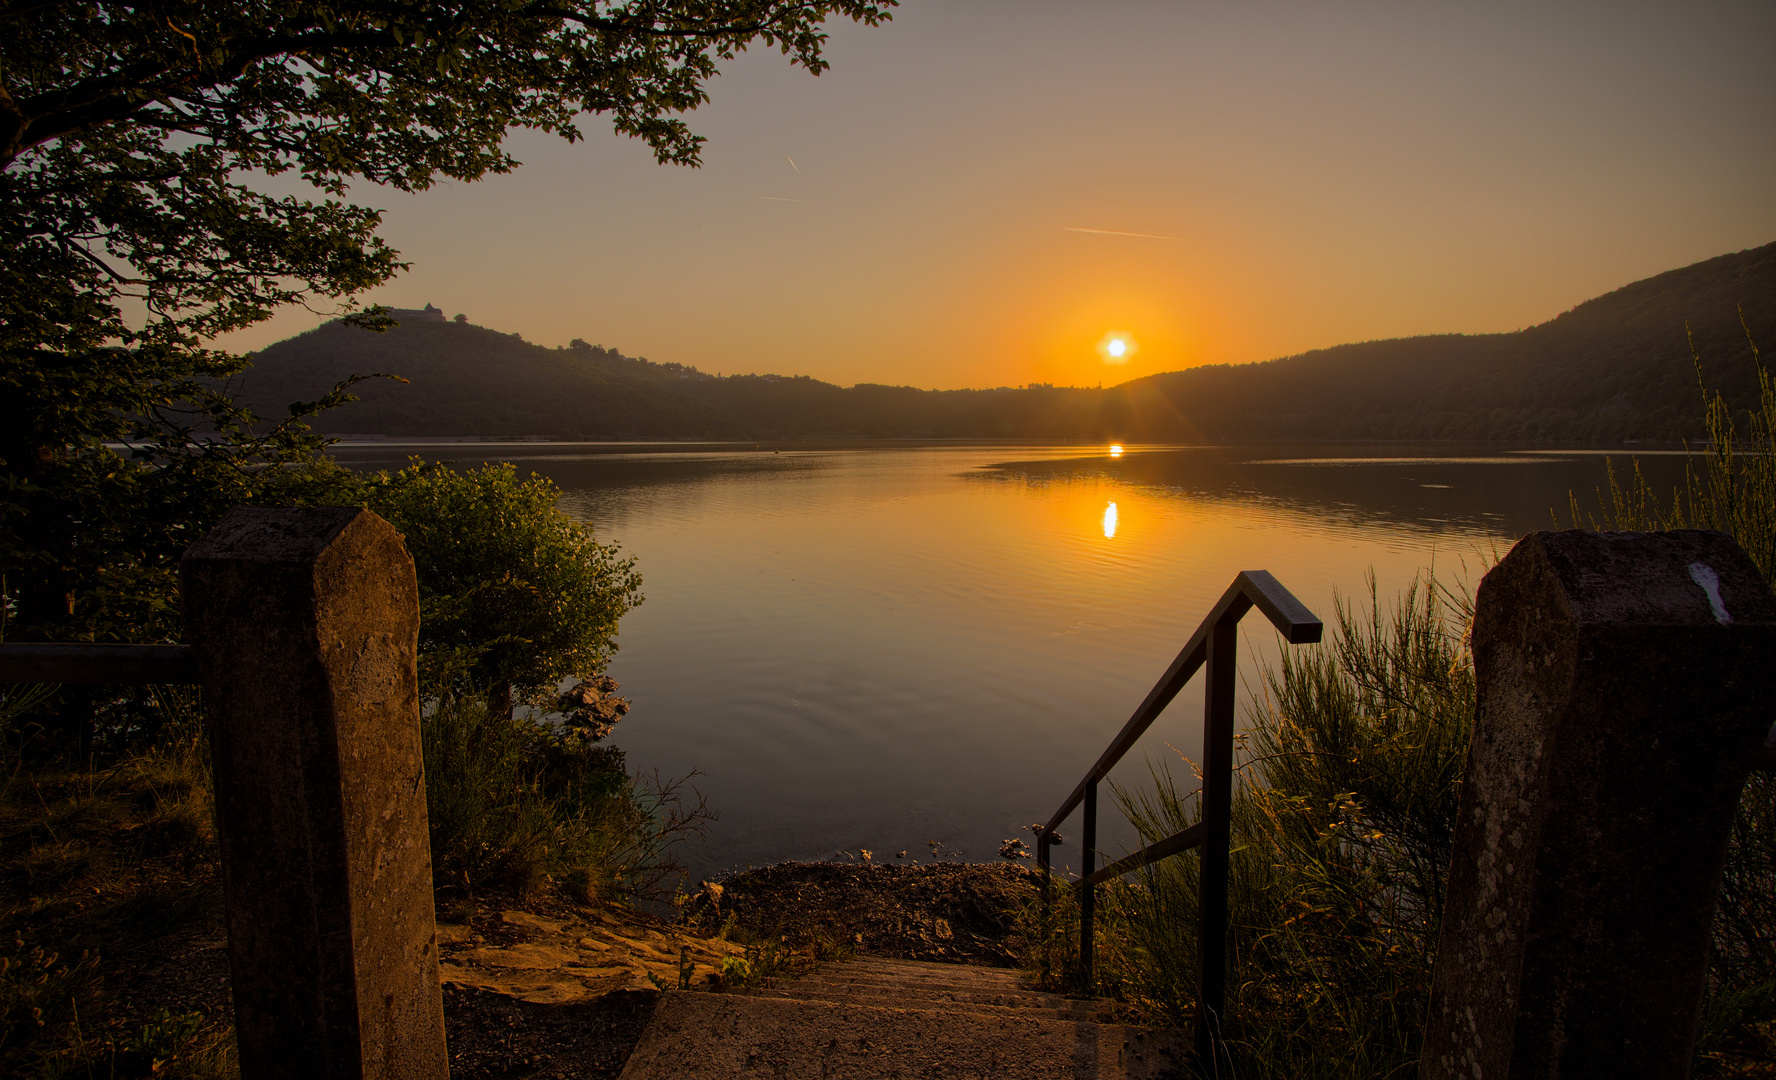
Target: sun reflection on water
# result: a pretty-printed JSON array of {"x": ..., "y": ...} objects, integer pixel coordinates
[{"x": 1110, "y": 521}]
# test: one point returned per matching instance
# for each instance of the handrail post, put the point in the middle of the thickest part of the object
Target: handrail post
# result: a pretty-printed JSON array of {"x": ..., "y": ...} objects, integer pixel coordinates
[
  {"x": 1088, "y": 894},
  {"x": 1042, "y": 844},
  {"x": 1217, "y": 818}
]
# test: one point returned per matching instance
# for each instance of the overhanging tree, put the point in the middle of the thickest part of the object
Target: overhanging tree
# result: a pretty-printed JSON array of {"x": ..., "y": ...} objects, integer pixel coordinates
[{"x": 132, "y": 138}]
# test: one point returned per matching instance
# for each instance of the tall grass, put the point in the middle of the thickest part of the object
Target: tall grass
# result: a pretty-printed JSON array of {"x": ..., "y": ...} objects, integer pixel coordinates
[
  {"x": 1731, "y": 486},
  {"x": 514, "y": 807},
  {"x": 1349, "y": 772},
  {"x": 102, "y": 866}
]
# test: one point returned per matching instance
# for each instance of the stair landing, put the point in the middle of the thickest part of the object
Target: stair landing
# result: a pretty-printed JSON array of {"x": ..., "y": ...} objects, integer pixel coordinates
[{"x": 897, "y": 1020}]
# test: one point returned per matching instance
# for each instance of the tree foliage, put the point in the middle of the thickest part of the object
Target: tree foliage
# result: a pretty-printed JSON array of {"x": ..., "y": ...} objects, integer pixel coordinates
[
  {"x": 138, "y": 224},
  {"x": 515, "y": 596}
]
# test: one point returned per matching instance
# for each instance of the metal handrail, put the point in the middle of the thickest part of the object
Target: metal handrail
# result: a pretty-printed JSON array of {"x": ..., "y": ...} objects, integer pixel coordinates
[{"x": 1215, "y": 645}]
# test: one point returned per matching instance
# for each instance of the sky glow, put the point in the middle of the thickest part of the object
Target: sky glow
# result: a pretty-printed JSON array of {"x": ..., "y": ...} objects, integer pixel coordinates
[{"x": 976, "y": 194}]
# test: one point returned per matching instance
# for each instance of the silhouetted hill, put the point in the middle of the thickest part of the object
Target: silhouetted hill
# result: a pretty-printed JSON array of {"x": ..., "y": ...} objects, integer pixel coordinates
[
  {"x": 1617, "y": 367},
  {"x": 468, "y": 380},
  {"x": 1611, "y": 369}
]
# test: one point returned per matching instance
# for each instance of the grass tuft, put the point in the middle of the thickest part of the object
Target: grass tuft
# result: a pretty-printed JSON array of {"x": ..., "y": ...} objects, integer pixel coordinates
[
  {"x": 515, "y": 808},
  {"x": 104, "y": 865}
]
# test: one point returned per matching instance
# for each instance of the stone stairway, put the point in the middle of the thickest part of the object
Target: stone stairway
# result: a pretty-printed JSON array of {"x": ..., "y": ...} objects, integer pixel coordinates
[{"x": 872, "y": 1019}]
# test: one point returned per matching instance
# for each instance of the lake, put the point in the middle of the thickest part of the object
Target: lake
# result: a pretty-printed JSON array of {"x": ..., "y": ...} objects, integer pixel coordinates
[{"x": 877, "y": 648}]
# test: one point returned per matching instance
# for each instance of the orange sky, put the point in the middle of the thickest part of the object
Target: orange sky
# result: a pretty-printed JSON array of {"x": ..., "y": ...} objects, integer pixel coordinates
[{"x": 1305, "y": 174}]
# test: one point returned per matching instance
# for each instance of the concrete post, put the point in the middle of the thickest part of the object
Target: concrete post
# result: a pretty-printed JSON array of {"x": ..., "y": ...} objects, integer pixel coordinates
[
  {"x": 1625, "y": 681},
  {"x": 305, "y": 627}
]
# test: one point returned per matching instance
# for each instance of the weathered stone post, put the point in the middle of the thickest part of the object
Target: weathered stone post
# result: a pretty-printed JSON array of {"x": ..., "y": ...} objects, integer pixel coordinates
[
  {"x": 1625, "y": 682},
  {"x": 305, "y": 627}
]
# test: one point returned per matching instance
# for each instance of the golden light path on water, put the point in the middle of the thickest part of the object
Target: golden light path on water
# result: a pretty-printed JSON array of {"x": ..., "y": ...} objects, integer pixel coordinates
[{"x": 889, "y": 648}]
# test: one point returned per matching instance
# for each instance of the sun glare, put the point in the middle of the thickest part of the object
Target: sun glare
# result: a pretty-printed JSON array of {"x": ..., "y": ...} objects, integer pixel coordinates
[
  {"x": 1115, "y": 449},
  {"x": 1110, "y": 522},
  {"x": 1116, "y": 347}
]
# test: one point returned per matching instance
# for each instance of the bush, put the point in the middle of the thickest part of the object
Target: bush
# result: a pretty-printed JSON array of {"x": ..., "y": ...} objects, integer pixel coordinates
[{"x": 515, "y": 596}]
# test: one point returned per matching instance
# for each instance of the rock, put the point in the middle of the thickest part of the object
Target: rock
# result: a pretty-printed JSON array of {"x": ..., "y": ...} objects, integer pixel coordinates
[
  {"x": 534, "y": 924},
  {"x": 590, "y": 709},
  {"x": 1014, "y": 849},
  {"x": 520, "y": 956},
  {"x": 886, "y": 910},
  {"x": 590, "y": 953}
]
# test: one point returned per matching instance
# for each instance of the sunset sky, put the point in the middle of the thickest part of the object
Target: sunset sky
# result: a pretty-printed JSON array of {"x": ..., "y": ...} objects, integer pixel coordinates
[{"x": 950, "y": 205}]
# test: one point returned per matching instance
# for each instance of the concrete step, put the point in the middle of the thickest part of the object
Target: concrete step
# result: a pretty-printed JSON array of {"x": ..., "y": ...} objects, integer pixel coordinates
[
  {"x": 896, "y": 983},
  {"x": 930, "y": 968},
  {"x": 915, "y": 972},
  {"x": 983, "y": 1004},
  {"x": 896, "y": 1020}
]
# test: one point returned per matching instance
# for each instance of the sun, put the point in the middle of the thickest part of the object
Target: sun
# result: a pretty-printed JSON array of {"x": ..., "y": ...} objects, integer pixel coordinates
[{"x": 1117, "y": 346}]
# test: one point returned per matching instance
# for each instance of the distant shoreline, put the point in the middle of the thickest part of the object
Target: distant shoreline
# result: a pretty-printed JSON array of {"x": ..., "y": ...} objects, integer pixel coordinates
[{"x": 642, "y": 446}]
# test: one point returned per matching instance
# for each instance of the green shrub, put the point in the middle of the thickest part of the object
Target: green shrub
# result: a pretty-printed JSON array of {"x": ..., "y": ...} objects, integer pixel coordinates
[{"x": 515, "y": 596}]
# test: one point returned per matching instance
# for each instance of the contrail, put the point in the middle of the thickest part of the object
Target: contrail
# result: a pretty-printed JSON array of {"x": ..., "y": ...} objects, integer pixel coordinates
[
  {"x": 793, "y": 165},
  {"x": 1118, "y": 232},
  {"x": 779, "y": 198}
]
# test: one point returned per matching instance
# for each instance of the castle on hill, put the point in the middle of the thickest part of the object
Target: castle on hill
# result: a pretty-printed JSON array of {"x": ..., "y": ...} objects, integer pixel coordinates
[{"x": 424, "y": 314}]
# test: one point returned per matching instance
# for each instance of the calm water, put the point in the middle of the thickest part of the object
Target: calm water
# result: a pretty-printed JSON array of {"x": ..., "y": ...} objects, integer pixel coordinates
[{"x": 879, "y": 648}]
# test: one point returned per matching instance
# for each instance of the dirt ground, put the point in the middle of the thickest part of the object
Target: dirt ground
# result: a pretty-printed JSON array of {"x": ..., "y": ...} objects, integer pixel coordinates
[
  {"x": 961, "y": 913},
  {"x": 492, "y": 1037},
  {"x": 955, "y": 912}
]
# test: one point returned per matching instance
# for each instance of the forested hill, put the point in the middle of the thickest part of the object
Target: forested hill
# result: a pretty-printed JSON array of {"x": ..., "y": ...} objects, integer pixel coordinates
[{"x": 1612, "y": 369}]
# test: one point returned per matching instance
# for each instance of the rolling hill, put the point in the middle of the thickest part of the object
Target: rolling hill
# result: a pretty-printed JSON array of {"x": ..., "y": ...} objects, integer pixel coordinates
[{"x": 1616, "y": 368}]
